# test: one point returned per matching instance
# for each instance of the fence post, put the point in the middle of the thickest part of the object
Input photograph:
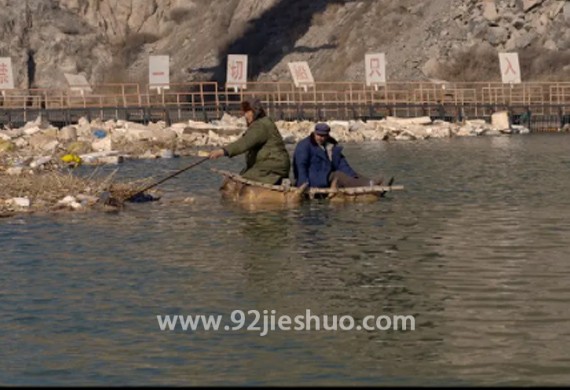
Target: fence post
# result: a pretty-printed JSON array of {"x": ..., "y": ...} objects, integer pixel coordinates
[
  {"x": 528, "y": 116},
  {"x": 167, "y": 117}
]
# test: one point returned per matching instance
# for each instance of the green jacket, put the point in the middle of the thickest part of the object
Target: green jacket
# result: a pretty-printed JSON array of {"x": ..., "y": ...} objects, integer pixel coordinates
[{"x": 267, "y": 160}]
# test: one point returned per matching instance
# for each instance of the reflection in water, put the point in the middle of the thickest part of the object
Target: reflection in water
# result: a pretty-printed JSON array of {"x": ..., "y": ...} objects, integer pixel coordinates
[{"x": 474, "y": 248}]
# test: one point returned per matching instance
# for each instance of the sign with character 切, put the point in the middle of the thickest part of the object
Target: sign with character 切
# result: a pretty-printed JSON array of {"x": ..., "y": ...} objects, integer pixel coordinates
[{"x": 236, "y": 75}]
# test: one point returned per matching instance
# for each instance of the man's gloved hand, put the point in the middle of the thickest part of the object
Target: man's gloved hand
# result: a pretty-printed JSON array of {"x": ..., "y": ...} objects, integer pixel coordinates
[{"x": 217, "y": 153}]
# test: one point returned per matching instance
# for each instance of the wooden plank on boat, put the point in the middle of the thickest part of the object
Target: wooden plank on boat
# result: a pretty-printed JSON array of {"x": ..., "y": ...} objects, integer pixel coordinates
[
  {"x": 238, "y": 178},
  {"x": 312, "y": 191},
  {"x": 355, "y": 190}
]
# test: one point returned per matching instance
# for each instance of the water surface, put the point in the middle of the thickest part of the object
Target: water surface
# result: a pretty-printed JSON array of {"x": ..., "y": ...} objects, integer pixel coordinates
[{"x": 475, "y": 248}]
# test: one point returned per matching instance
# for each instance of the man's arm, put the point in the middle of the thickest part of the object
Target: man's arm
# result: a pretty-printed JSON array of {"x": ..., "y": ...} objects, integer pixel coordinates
[
  {"x": 301, "y": 160},
  {"x": 343, "y": 166},
  {"x": 255, "y": 135}
]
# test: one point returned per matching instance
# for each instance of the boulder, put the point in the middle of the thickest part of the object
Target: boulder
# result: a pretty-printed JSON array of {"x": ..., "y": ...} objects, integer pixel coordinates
[
  {"x": 19, "y": 202},
  {"x": 500, "y": 120},
  {"x": 424, "y": 120},
  {"x": 490, "y": 11},
  {"x": 102, "y": 145},
  {"x": 530, "y": 4},
  {"x": 42, "y": 142},
  {"x": 68, "y": 134}
]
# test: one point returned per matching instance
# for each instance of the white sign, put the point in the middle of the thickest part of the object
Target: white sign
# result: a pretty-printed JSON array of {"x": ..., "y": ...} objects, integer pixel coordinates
[
  {"x": 375, "y": 69},
  {"x": 159, "y": 72},
  {"x": 6, "y": 77},
  {"x": 510, "y": 70},
  {"x": 77, "y": 82},
  {"x": 301, "y": 73},
  {"x": 237, "y": 71}
]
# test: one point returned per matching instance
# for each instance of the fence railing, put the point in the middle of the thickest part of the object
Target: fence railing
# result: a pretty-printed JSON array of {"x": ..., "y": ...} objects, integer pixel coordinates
[
  {"x": 201, "y": 94},
  {"x": 541, "y": 96}
]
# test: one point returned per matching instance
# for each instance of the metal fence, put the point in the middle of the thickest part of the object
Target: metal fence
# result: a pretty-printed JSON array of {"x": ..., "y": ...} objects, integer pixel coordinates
[{"x": 541, "y": 106}]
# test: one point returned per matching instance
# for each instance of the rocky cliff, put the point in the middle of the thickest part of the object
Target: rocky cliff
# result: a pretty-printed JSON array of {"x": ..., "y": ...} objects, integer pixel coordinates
[{"x": 110, "y": 40}]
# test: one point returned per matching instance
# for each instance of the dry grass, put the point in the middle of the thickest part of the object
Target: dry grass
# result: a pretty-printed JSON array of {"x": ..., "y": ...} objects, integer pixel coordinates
[
  {"x": 473, "y": 64},
  {"x": 539, "y": 64},
  {"x": 124, "y": 56},
  {"x": 181, "y": 15},
  {"x": 45, "y": 189}
]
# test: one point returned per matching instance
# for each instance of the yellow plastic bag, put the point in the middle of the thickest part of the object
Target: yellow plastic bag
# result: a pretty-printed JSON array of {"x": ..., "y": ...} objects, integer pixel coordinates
[{"x": 71, "y": 159}]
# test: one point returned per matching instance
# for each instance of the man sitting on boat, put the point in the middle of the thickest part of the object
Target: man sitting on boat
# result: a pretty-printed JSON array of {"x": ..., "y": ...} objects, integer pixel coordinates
[
  {"x": 318, "y": 161},
  {"x": 267, "y": 160}
]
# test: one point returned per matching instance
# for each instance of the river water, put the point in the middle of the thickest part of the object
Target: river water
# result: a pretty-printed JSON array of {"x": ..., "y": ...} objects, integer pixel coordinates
[{"x": 475, "y": 249}]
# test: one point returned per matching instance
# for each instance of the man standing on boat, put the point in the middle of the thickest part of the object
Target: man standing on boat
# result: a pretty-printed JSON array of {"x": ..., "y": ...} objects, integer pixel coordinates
[
  {"x": 267, "y": 160},
  {"x": 318, "y": 161}
]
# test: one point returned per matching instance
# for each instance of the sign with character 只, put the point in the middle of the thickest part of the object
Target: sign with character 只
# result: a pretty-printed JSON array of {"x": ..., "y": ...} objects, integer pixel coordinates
[{"x": 375, "y": 67}]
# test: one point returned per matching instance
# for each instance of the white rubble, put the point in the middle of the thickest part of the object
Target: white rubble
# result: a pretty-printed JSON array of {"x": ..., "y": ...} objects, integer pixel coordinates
[
  {"x": 70, "y": 201},
  {"x": 110, "y": 142},
  {"x": 19, "y": 202}
]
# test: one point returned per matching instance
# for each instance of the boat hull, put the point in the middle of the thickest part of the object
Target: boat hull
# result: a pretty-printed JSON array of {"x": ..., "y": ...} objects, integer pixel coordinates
[{"x": 250, "y": 193}]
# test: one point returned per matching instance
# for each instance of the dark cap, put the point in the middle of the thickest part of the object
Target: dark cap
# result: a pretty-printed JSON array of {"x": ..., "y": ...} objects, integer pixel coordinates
[
  {"x": 252, "y": 104},
  {"x": 322, "y": 129}
]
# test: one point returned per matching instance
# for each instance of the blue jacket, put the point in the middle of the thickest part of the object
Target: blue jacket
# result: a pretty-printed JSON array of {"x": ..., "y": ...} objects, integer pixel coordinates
[{"x": 311, "y": 163}]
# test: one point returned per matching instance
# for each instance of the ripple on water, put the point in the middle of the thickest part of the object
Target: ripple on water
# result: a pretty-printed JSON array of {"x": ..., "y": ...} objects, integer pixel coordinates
[{"x": 474, "y": 247}]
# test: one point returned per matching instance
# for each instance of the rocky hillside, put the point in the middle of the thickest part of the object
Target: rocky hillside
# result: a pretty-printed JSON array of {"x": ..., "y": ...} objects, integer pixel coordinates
[{"x": 110, "y": 40}]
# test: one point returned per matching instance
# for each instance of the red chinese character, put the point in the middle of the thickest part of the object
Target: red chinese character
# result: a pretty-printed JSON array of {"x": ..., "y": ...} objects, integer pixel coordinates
[
  {"x": 3, "y": 73},
  {"x": 236, "y": 70},
  {"x": 510, "y": 67},
  {"x": 301, "y": 73},
  {"x": 375, "y": 67}
]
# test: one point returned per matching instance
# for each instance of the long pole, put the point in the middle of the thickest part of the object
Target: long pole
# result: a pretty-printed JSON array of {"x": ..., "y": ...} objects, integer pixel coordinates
[{"x": 167, "y": 178}]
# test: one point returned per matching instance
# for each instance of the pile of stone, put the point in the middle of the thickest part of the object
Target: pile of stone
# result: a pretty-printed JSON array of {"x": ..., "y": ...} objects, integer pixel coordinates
[
  {"x": 515, "y": 24},
  {"x": 39, "y": 144},
  {"x": 403, "y": 129}
]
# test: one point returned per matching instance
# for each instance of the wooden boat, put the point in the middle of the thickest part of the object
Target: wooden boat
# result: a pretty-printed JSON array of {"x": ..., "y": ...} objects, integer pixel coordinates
[{"x": 249, "y": 192}]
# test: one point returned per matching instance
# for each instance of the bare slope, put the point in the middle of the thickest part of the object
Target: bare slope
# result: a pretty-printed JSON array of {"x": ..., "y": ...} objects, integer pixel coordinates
[{"x": 110, "y": 40}]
